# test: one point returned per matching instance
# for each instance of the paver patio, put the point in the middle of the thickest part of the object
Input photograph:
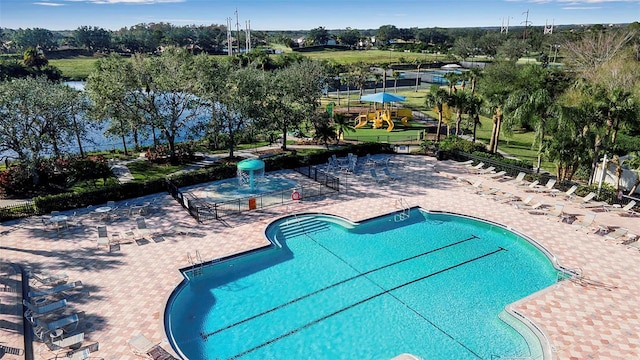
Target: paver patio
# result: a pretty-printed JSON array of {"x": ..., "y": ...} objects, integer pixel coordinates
[{"x": 594, "y": 318}]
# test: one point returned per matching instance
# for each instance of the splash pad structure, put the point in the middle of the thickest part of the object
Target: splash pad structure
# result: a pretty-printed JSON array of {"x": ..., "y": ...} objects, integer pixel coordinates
[{"x": 249, "y": 171}]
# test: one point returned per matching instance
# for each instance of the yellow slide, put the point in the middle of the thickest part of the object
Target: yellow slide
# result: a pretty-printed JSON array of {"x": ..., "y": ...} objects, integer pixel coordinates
[
  {"x": 386, "y": 116},
  {"x": 405, "y": 121},
  {"x": 362, "y": 121}
]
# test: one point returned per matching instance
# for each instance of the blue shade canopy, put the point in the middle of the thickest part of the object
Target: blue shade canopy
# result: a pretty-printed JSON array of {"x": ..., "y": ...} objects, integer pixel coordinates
[
  {"x": 383, "y": 97},
  {"x": 251, "y": 165}
]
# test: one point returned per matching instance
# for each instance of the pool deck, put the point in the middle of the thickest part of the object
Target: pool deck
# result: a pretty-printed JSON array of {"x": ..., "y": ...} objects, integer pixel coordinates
[{"x": 594, "y": 318}]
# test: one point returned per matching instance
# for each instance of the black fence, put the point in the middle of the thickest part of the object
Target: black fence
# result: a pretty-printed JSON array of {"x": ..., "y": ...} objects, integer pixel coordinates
[
  {"x": 204, "y": 211},
  {"x": 18, "y": 210}
]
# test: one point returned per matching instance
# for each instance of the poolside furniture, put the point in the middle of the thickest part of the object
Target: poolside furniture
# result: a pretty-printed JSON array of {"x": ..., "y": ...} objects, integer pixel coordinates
[
  {"x": 466, "y": 163},
  {"x": 142, "y": 346},
  {"x": 10, "y": 350},
  {"x": 103, "y": 237},
  {"x": 477, "y": 167},
  {"x": 625, "y": 210},
  {"x": 519, "y": 179},
  {"x": 505, "y": 197},
  {"x": 183, "y": 230},
  {"x": 586, "y": 222},
  {"x": 59, "y": 343},
  {"x": 375, "y": 176},
  {"x": 583, "y": 200},
  {"x": 616, "y": 234},
  {"x": 38, "y": 293},
  {"x": 531, "y": 186},
  {"x": 37, "y": 310},
  {"x": 476, "y": 186},
  {"x": 50, "y": 280},
  {"x": 497, "y": 175},
  {"x": 81, "y": 353},
  {"x": 566, "y": 194},
  {"x": 548, "y": 186},
  {"x": 391, "y": 176},
  {"x": 557, "y": 211},
  {"x": 43, "y": 328}
]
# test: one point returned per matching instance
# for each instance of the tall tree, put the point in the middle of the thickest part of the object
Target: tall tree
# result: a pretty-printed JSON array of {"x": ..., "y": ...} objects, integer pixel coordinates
[{"x": 436, "y": 99}]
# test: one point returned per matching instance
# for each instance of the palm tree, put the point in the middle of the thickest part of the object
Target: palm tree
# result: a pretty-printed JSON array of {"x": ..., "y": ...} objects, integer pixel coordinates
[
  {"x": 396, "y": 75},
  {"x": 436, "y": 98},
  {"x": 384, "y": 67},
  {"x": 376, "y": 79},
  {"x": 452, "y": 79},
  {"x": 418, "y": 74},
  {"x": 473, "y": 110},
  {"x": 324, "y": 133},
  {"x": 342, "y": 124}
]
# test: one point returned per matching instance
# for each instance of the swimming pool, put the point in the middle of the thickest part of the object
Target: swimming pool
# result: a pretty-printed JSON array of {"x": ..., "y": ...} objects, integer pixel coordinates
[{"x": 434, "y": 285}]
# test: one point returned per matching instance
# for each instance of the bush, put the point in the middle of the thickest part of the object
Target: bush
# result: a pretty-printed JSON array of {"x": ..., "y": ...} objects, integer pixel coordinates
[{"x": 455, "y": 143}]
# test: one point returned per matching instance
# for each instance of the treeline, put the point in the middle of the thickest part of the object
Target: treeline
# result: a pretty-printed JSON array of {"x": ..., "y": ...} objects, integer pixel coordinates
[{"x": 212, "y": 39}]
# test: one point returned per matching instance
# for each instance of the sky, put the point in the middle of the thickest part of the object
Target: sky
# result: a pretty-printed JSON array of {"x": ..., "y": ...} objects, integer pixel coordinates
[{"x": 309, "y": 14}]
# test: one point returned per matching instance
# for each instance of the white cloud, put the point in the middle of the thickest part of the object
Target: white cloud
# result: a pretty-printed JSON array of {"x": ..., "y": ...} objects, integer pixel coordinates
[{"x": 47, "y": 4}]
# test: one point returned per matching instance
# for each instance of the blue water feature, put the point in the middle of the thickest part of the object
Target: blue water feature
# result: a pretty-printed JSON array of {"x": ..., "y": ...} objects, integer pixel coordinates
[{"x": 432, "y": 285}]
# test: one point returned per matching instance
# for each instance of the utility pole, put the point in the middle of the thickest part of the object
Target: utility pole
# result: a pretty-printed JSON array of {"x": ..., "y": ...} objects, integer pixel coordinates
[
  {"x": 526, "y": 24},
  {"x": 247, "y": 34},
  {"x": 238, "y": 30},
  {"x": 229, "y": 41},
  {"x": 504, "y": 29},
  {"x": 549, "y": 29}
]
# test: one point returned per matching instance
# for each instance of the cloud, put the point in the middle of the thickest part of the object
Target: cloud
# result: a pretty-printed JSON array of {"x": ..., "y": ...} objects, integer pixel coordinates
[
  {"x": 47, "y": 4},
  {"x": 581, "y": 7}
]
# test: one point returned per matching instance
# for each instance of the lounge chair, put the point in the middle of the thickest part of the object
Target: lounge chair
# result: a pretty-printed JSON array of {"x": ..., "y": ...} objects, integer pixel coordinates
[
  {"x": 466, "y": 163},
  {"x": 625, "y": 210},
  {"x": 48, "y": 280},
  {"x": 81, "y": 353},
  {"x": 375, "y": 176},
  {"x": 498, "y": 175},
  {"x": 389, "y": 174},
  {"x": 103, "y": 237},
  {"x": 476, "y": 186},
  {"x": 10, "y": 350},
  {"x": 34, "y": 310},
  {"x": 38, "y": 293},
  {"x": 557, "y": 212},
  {"x": 519, "y": 179},
  {"x": 526, "y": 202},
  {"x": 583, "y": 200},
  {"x": 488, "y": 170},
  {"x": 42, "y": 328},
  {"x": 566, "y": 194},
  {"x": 476, "y": 168},
  {"x": 548, "y": 186},
  {"x": 141, "y": 228},
  {"x": 617, "y": 234},
  {"x": 142, "y": 346},
  {"x": 65, "y": 342},
  {"x": 586, "y": 222},
  {"x": 531, "y": 187}
]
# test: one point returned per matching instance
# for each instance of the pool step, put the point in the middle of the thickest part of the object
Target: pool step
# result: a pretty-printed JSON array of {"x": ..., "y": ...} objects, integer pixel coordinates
[{"x": 302, "y": 225}]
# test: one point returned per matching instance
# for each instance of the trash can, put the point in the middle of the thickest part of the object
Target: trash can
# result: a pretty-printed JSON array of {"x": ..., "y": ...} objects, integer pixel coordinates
[{"x": 252, "y": 203}]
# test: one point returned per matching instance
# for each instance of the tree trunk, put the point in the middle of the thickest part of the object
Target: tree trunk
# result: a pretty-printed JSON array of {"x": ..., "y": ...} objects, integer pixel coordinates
[
  {"x": 384, "y": 80},
  {"x": 458, "y": 120},
  {"x": 498, "y": 126},
  {"x": 439, "y": 125},
  {"x": 284, "y": 137},
  {"x": 492, "y": 138},
  {"x": 476, "y": 121},
  {"x": 75, "y": 126},
  {"x": 418, "y": 77}
]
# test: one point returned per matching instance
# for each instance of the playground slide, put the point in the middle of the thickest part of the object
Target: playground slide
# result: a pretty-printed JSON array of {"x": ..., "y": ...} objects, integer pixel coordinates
[
  {"x": 362, "y": 121},
  {"x": 405, "y": 121},
  {"x": 377, "y": 123},
  {"x": 387, "y": 118}
]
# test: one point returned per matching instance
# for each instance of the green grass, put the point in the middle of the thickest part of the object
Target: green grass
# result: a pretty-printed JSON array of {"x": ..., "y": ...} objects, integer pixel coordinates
[
  {"x": 76, "y": 68},
  {"x": 144, "y": 170},
  {"x": 370, "y": 56}
]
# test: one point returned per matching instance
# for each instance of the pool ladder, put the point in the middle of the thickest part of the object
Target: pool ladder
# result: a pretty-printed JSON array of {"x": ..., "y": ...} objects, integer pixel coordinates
[
  {"x": 196, "y": 263},
  {"x": 406, "y": 210}
]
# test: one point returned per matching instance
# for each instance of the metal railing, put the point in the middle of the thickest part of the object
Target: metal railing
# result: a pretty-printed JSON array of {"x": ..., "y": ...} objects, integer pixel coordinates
[
  {"x": 18, "y": 210},
  {"x": 320, "y": 176}
]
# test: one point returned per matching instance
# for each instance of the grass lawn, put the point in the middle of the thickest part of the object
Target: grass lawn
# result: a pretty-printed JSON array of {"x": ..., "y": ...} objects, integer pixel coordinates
[
  {"x": 370, "y": 56},
  {"x": 144, "y": 170},
  {"x": 76, "y": 68}
]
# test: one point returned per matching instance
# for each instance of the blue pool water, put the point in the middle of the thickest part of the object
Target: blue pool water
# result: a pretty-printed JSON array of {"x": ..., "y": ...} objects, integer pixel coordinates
[{"x": 432, "y": 285}]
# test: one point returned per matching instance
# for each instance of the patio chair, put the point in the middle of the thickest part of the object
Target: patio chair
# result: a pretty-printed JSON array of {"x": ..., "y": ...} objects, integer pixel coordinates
[
  {"x": 566, "y": 194},
  {"x": 103, "y": 237},
  {"x": 65, "y": 342},
  {"x": 557, "y": 212},
  {"x": 498, "y": 175},
  {"x": 625, "y": 210},
  {"x": 548, "y": 187},
  {"x": 37, "y": 310},
  {"x": 586, "y": 222},
  {"x": 43, "y": 328},
  {"x": 519, "y": 179},
  {"x": 583, "y": 200},
  {"x": 616, "y": 234},
  {"x": 466, "y": 163},
  {"x": 375, "y": 176},
  {"x": 476, "y": 168},
  {"x": 526, "y": 202},
  {"x": 39, "y": 293},
  {"x": 141, "y": 229},
  {"x": 50, "y": 280},
  {"x": 81, "y": 353},
  {"x": 142, "y": 346},
  {"x": 476, "y": 186},
  {"x": 391, "y": 176},
  {"x": 531, "y": 186}
]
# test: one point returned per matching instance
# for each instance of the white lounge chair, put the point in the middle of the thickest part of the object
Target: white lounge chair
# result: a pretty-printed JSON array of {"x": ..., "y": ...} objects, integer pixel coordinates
[
  {"x": 616, "y": 234},
  {"x": 38, "y": 293},
  {"x": 566, "y": 194},
  {"x": 43, "y": 328},
  {"x": 586, "y": 222},
  {"x": 476, "y": 168},
  {"x": 35, "y": 310},
  {"x": 142, "y": 346},
  {"x": 531, "y": 186},
  {"x": 548, "y": 186},
  {"x": 625, "y": 210},
  {"x": 48, "y": 280},
  {"x": 519, "y": 179},
  {"x": 391, "y": 176},
  {"x": 376, "y": 177},
  {"x": 65, "y": 342}
]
